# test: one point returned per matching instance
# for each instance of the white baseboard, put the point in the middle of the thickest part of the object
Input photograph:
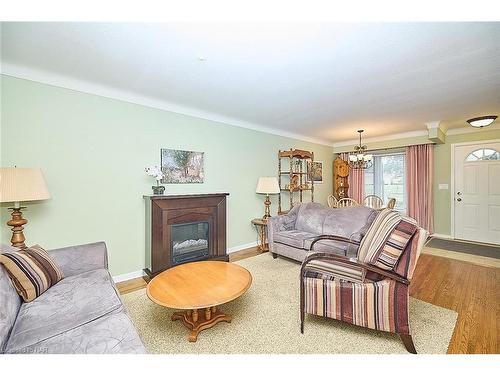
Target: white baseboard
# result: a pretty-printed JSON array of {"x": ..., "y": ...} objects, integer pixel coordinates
[
  {"x": 128, "y": 276},
  {"x": 443, "y": 236},
  {"x": 136, "y": 274},
  {"x": 241, "y": 247}
]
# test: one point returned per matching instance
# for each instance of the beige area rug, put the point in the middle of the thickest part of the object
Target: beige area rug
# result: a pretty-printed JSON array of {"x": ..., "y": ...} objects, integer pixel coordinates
[{"x": 266, "y": 320}]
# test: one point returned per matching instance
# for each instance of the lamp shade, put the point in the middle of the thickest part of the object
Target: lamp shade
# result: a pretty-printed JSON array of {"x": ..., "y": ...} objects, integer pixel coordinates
[
  {"x": 267, "y": 185},
  {"x": 22, "y": 185}
]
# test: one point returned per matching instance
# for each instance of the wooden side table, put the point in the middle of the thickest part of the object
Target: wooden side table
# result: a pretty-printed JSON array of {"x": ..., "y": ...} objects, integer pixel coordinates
[{"x": 261, "y": 225}]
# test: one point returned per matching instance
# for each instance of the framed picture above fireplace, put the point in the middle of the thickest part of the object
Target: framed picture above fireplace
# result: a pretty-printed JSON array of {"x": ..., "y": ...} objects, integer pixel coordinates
[{"x": 182, "y": 167}]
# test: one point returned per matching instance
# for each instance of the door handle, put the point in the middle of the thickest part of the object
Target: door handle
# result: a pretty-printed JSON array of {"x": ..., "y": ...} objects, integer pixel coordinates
[
  {"x": 459, "y": 199},
  {"x": 459, "y": 193}
]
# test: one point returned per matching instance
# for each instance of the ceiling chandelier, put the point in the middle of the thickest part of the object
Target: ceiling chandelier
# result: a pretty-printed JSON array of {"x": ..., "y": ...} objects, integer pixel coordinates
[{"x": 359, "y": 159}]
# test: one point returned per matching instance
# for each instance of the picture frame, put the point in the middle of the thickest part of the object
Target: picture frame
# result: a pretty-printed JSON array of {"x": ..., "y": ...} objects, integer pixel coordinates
[
  {"x": 315, "y": 171},
  {"x": 182, "y": 167}
]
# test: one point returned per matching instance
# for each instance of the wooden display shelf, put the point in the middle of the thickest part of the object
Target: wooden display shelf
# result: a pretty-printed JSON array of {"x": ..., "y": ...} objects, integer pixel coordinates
[
  {"x": 300, "y": 154},
  {"x": 299, "y": 160},
  {"x": 296, "y": 189}
]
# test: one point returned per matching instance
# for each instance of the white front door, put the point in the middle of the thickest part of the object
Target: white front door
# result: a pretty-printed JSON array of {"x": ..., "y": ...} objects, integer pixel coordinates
[{"x": 477, "y": 192}]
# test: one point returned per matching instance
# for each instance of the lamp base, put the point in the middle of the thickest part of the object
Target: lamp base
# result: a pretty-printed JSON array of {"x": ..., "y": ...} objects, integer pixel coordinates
[
  {"x": 17, "y": 223},
  {"x": 267, "y": 211}
]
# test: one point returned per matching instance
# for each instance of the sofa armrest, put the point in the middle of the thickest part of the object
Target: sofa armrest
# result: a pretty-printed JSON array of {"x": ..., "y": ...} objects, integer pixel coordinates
[
  {"x": 280, "y": 223},
  {"x": 74, "y": 260},
  {"x": 349, "y": 241}
]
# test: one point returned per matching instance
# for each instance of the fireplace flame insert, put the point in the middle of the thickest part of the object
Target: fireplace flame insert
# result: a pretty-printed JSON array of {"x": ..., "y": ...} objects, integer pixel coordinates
[{"x": 190, "y": 242}]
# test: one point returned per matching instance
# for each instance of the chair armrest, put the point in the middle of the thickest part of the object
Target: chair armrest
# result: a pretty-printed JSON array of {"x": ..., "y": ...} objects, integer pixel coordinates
[
  {"x": 352, "y": 262},
  {"x": 334, "y": 238},
  {"x": 74, "y": 260}
]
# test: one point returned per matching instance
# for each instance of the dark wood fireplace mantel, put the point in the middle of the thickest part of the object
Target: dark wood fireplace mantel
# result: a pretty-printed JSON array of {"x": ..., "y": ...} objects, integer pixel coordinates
[{"x": 165, "y": 211}]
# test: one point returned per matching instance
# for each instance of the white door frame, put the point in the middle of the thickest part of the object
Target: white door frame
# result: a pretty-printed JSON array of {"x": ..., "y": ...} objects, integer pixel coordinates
[{"x": 452, "y": 177}]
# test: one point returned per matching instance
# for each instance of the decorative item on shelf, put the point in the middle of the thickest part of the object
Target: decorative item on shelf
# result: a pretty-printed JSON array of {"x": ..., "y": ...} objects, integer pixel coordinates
[
  {"x": 481, "y": 122},
  {"x": 294, "y": 182},
  {"x": 21, "y": 185},
  {"x": 156, "y": 172},
  {"x": 359, "y": 159},
  {"x": 182, "y": 167},
  {"x": 297, "y": 164},
  {"x": 267, "y": 185}
]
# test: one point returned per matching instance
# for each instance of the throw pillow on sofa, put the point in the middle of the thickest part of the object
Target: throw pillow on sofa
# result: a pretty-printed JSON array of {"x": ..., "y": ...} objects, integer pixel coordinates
[{"x": 32, "y": 271}]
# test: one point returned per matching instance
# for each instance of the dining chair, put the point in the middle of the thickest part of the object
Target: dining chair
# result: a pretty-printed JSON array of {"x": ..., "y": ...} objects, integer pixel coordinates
[
  {"x": 373, "y": 201},
  {"x": 347, "y": 202},
  {"x": 332, "y": 201}
]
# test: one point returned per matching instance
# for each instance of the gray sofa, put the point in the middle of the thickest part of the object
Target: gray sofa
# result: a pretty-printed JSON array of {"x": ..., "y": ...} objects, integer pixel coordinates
[
  {"x": 291, "y": 235},
  {"x": 83, "y": 313}
]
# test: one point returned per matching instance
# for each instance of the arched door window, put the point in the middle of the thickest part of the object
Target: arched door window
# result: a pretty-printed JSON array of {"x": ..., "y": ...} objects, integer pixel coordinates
[{"x": 483, "y": 154}]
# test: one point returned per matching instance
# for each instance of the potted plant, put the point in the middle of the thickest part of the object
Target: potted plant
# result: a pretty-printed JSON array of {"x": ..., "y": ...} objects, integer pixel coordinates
[{"x": 156, "y": 172}]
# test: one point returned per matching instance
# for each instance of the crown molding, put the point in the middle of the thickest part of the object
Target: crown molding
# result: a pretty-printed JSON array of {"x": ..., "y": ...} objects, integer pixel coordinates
[
  {"x": 470, "y": 129},
  {"x": 53, "y": 79},
  {"x": 415, "y": 133}
]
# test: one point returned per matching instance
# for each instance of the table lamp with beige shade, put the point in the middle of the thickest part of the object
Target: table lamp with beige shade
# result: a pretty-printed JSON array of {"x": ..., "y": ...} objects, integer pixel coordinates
[
  {"x": 21, "y": 185},
  {"x": 267, "y": 185}
]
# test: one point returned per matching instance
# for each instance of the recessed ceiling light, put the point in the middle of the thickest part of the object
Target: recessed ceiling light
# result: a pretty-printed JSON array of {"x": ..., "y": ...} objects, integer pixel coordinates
[{"x": 481, "y": 122}]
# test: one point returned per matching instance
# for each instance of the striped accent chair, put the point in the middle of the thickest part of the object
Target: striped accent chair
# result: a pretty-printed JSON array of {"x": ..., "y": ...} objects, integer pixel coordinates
[{"x": 371, "y": 290}]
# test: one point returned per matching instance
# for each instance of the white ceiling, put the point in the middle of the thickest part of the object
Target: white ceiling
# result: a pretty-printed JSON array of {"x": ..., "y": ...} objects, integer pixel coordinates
[{"x": 317, "y": 81}]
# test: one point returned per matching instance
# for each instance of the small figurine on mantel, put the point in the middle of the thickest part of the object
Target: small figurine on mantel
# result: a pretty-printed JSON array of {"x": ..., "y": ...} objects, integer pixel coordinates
[{"x": 157, "y": 173}]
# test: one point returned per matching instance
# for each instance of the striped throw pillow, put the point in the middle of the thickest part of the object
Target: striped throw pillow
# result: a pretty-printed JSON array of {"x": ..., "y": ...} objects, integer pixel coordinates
[
  {"x": 32, "y": 271},
  {"x": 389, "y": 253}
]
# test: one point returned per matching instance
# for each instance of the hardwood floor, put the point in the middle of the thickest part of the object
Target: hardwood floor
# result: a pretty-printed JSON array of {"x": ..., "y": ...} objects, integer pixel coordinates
[{"x": 471, "y": 290}]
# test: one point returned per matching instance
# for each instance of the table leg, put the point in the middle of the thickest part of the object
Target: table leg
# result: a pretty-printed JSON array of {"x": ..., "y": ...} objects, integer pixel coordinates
[{"x": 198, "y": 322}]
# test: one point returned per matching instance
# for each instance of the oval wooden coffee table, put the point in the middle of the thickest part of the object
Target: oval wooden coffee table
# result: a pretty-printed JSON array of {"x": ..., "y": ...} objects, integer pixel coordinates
[{"x": 198, "y": 288}]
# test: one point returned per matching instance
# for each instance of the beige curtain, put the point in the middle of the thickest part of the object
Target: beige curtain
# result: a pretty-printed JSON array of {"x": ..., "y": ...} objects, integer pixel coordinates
[
  {"x": 356, "y": 181},
  {"x": 419, "y": 184}
]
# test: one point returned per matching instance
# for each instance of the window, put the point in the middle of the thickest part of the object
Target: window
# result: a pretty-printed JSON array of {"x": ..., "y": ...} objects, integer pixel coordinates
[
  {"x": 483, "y": 154},
  {"x": 386, "y": 179}
]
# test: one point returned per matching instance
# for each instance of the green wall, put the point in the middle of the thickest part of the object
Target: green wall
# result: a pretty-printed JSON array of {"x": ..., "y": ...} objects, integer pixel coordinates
[
  {"x": 442, "y": 168},
  {"x": 93, "y": 151}
]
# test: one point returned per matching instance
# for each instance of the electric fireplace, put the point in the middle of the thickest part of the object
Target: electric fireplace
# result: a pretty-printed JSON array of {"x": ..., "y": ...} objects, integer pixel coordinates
[{"x": 184, "y": 228}]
